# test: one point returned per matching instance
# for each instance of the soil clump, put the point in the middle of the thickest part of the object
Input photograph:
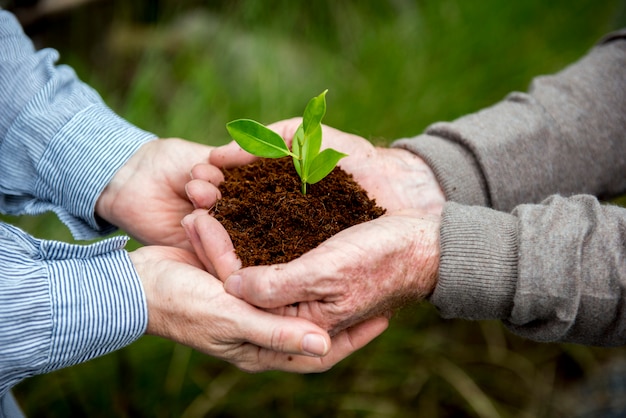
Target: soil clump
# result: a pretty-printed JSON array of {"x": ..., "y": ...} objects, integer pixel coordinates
[{"x": 270, "y": 221}]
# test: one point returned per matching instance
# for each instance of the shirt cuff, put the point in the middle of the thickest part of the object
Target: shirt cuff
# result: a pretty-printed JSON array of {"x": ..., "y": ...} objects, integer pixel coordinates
[
  {"x": 63, "y": 304},
  {"x": 98, "y": 301},
  {"x": 478, "y": 266},
  {"x": 80, "y": 161}
]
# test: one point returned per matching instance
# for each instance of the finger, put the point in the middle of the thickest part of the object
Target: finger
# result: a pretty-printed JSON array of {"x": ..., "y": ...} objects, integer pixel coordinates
[
  {"x": 283, "y": 334},
  {"x": 357, "y": 337},
  {"x": 343, "y": 344},
  {"x": 208, "y": 237},
  {"x": 279, "y": 285},
  {"x": 195, "y": 240},
  {"x": 202, "y": 194},
  {"x": 207, "y": 172},
  {"x": 230, "y": 155}
]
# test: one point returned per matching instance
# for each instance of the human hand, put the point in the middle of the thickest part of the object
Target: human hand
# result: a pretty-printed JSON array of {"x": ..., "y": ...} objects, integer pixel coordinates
[
  {"x": 364, "y": 271},
  {"x": 395, "y": 178},
  {"x": 147, "y": 198},
  {"x": 189, "y": 306}
]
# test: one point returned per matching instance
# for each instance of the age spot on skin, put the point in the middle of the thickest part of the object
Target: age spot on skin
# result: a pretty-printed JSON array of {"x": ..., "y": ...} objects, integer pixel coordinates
[{"x": 289, "y": 358}]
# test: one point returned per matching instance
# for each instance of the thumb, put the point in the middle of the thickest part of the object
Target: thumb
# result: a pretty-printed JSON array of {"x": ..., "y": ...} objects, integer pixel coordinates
[
  {"x": 281, "y": 284},
  {"x": 287, "y": 335},
  {"x": 211, "y": 243}
]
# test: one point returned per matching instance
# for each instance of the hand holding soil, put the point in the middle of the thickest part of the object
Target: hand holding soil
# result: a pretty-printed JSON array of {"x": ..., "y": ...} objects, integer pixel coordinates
[
  {"x": 151, "y": 185},
  {"x": 364, "y": 271},
  {"x": 189, "y": 306}
]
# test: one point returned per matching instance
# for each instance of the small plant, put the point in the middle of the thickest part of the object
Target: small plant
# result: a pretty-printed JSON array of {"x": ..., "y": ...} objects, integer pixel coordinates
[{"x": 311, "y": 164}]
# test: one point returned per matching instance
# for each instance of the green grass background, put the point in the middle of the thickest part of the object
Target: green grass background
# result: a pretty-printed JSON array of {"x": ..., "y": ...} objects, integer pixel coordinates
[{"x": 185, "y": 68}]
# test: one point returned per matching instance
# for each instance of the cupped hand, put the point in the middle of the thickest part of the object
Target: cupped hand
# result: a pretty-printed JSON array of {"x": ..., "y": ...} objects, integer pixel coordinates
[
  {"x": 189, "y": 306},
  {"x": 364, "y": 271},
  {"x": 395, "y": 178},
  {"x": 147, "y": 197}
]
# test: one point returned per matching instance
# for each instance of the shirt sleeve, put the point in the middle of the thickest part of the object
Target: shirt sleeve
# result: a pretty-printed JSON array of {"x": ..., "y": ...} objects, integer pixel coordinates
[
  {"x": 59, "y": 143},
  {"x": 63, "y": 304}
]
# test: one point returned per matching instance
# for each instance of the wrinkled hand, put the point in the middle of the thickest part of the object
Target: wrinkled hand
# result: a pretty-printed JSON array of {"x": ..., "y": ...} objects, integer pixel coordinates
[
  {"x": 395, "y": 178},
  {"x": 189, "y": 306},
  {"x": 147, "y": 197},
  {"x": 364, "y": 271}
]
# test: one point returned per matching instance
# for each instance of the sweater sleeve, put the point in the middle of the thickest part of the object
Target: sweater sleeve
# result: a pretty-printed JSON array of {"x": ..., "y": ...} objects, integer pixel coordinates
[
  {"x": 63, "y": 304},
  {"x": 565, "y": 136},
  {"x": 59, "y": 143},
  {"x": 553, "y": 269}
]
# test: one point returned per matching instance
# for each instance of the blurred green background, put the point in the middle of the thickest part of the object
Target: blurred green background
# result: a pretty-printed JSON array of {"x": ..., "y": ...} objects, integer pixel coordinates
[{"x": 185, "y": 68}]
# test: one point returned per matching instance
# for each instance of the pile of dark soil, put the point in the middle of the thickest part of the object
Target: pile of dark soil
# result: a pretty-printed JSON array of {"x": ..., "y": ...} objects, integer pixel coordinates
[{"x": 270, "y": 221}]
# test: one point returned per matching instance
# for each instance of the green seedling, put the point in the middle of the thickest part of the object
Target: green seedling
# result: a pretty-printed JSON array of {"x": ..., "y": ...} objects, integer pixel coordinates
[{"x": 311, "y": 164}]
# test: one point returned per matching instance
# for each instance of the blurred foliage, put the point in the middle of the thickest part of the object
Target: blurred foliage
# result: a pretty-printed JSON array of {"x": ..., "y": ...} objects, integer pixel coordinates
[{"x": 185, "y": 68}]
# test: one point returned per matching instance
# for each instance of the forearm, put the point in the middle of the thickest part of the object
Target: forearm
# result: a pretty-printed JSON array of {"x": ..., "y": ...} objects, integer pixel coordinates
[
  {"x": 564, "y": 136},
  {"x": 59, "y": 143},
  {"x": 63, "y": 304},
  {"x": 550, "y": 272}
]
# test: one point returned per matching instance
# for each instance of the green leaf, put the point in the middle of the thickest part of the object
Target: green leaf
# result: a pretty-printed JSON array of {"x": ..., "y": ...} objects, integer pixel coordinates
[
  {"x": 313, "y": 114},
  {"x": 312, "y": 145},
  {"x": 323, "y": 164},
  {"x": 310, "y": 164},
  {"x": 257, "y": 139},
  {"x": 312, "y": 127}
]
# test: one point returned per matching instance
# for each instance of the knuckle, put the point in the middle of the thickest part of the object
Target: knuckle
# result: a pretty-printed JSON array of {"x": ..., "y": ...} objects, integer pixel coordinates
[
  {"x": 278, "y": 340},
  {"x": 263, "y": 290}
]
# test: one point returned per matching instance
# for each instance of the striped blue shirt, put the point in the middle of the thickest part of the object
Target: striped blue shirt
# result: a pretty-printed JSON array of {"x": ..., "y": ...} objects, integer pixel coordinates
[{"x": 60, "y": 304}]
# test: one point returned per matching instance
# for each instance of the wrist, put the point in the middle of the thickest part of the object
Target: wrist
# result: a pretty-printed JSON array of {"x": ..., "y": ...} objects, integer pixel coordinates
[
  {"x": 411, "y": 181},
  {"x": 105, "y": 207},
  {"x": 140, "y": 263},
  {"x": 454, "y": 166},
  {"x": 148, "y": 270},
  {"x": 156, "y": 267},
  {"x": 427, "y": 253}
]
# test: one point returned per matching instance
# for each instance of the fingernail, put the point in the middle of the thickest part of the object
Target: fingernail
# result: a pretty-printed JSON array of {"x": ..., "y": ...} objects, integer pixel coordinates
[
  {"x": 314, "y": 344},
  {"x": 191, "y": 198},
  {"x": 233, "y": 286}
]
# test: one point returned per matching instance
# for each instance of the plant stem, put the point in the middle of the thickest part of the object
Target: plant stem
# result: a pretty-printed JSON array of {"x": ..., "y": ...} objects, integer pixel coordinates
[
  {"x": 302, "y": 180},
  {"x": 299, "y": 142}
]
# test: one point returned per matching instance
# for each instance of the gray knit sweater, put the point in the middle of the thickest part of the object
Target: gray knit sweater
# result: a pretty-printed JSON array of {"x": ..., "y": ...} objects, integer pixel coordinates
[{"x": 524, "y": 238}]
